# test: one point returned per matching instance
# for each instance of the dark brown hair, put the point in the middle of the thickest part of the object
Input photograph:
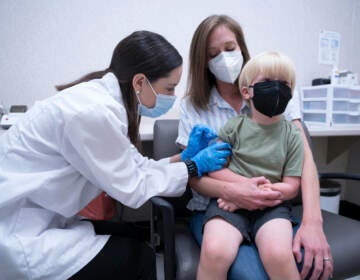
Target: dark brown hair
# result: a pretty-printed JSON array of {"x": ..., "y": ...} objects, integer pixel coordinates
[{"x": 141, "y": 52}]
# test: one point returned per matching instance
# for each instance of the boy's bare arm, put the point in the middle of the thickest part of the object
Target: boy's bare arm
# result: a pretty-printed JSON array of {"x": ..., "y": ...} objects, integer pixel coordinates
[{"x": 288, "y": 188}]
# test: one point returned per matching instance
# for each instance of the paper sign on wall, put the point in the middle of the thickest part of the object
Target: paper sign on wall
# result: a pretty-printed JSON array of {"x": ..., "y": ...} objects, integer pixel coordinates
[{"x": 329, "y": 44}]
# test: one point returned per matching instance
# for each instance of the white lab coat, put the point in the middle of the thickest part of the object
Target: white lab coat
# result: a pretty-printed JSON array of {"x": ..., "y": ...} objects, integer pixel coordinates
[{"x": 66, "y": 150}]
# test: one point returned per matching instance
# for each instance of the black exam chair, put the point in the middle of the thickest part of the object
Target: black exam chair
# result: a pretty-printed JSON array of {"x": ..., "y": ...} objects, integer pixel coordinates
[{"x": 171, "y": 234}]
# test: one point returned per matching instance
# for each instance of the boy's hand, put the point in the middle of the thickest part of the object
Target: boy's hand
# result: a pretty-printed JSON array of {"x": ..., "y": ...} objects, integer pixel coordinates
[
  {"x": 266, "y": 187},
  {"x": 226, "y": 205},
  {"x": 247, "y": 195}
]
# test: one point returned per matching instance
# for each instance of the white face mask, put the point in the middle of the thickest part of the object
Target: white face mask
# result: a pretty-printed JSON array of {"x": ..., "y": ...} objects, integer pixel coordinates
[{"x": 226, "y": 66}]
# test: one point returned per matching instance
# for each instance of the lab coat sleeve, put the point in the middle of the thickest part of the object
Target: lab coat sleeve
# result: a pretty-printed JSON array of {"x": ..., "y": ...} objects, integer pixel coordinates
[
  {"x": 146, "y": 162},
  {"x": 99, "y": 148}
]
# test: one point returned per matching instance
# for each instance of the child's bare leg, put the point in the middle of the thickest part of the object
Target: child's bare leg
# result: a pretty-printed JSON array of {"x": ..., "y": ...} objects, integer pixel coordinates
[
  {"x": 219, "y": 248},
  {"x": 274, "y": 242}
]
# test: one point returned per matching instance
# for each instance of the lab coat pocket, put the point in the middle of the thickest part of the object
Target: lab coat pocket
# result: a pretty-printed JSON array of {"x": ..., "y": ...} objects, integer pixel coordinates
[
  {"x": 37, "y": 230},
  {"x": 34, "y": 221}
]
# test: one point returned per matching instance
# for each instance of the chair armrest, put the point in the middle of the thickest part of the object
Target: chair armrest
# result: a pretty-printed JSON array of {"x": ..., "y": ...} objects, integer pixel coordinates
[
  {"x": 160, "y": 202},
  {"x": 163, "y": 221},
  {"x": 346, "y": 176}
]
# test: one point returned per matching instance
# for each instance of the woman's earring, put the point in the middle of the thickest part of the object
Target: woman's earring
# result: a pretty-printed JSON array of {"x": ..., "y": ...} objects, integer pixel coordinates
[{"x": 137, "y": 92}]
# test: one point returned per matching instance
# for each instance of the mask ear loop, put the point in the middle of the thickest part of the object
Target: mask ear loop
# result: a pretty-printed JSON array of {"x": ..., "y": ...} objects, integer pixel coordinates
[
  {"x": 137, "y": 93},
  {"x": 252, "y": 88},
  {"x": 154, "y": 92},
  {"x": 252, "y": 94}
]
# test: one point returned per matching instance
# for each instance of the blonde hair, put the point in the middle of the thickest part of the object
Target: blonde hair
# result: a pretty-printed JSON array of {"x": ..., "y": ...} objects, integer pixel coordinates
[
  {"x": 272, "y": 65},
  {"x": 200, "y": 79}
]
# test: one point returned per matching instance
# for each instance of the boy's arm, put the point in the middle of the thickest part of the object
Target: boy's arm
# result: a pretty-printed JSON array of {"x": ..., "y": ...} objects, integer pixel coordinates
[{"x": 288, "y": 188}]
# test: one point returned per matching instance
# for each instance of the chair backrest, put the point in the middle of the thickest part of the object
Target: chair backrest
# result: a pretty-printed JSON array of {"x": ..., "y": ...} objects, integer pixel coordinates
[{"x": 165, "y": 134}]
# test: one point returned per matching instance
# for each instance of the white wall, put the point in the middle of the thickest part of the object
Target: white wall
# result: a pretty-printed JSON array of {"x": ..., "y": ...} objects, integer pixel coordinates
[{"x": 47, "y": 42}]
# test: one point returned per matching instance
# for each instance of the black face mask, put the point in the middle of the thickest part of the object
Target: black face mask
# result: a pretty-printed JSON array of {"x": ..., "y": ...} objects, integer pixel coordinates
[{"x": 271, "y": 97}]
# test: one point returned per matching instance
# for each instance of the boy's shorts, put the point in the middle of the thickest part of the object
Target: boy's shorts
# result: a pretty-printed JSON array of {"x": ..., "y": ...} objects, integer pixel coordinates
[{"x": 249, "y": 222}]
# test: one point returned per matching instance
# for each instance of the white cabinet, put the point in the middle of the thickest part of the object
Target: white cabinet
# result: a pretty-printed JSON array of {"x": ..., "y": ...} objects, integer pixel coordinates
[{"x": 329, "y": 105}]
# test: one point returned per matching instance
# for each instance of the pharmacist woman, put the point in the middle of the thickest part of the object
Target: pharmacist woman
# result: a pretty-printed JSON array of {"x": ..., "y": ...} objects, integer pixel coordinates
[{"x": 72, "y": 146}]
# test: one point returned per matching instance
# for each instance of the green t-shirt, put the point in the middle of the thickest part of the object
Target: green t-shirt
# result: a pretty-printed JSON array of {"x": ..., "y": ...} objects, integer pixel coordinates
[{"x": 273, "y": 151}]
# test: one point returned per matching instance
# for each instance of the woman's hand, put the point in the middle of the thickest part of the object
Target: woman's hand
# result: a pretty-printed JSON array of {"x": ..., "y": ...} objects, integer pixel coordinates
[
  {"x": 199, "y": 138},
  {"x": 247, "y": 194},
  {"x": 311, "y": 237}
]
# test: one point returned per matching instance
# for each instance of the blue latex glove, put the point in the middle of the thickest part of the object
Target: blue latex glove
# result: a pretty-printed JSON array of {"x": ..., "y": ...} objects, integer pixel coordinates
[
  {"x": 212, "y": 158},
  {"x": 199, "y": 138}
]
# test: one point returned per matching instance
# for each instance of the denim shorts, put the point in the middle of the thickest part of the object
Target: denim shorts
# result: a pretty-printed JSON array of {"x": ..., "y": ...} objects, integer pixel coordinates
[{"x": 249, "y": 222}]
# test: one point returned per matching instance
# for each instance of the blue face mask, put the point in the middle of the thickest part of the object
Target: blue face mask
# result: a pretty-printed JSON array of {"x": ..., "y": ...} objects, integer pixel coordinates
[{"x": 162, "y": 105}]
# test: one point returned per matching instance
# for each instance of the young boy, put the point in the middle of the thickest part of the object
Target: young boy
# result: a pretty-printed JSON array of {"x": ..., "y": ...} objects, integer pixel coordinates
[{"x": 263, "y": 145}]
